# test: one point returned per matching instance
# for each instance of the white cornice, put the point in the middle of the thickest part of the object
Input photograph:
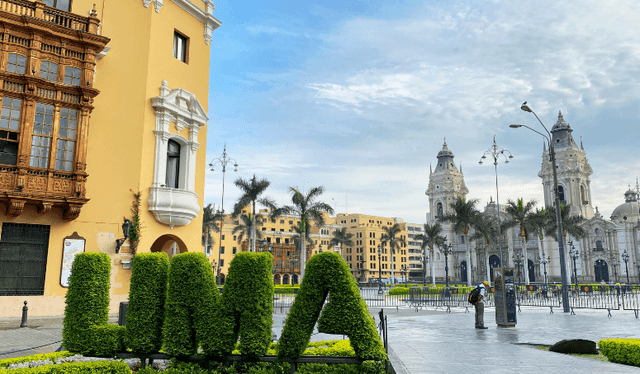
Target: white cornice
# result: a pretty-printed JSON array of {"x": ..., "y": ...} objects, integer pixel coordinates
[{"x": 206, "y": 17}]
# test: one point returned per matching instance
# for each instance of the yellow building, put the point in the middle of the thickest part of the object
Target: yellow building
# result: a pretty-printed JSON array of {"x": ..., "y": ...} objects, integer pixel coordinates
[
  {"x": 98, "y": 102},
  {"x": 276, "y": 234},
  {"x": 362, "y": 257}
]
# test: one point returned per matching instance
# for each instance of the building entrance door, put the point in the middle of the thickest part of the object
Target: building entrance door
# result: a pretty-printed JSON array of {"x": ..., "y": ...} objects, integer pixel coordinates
[
  {"x": 23, "y": 258},
  {"x": 463, "y": 272},
  {"x": 601, "y": 271}
]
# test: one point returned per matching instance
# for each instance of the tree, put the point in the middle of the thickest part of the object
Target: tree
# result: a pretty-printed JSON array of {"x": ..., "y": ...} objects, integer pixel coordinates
[
  {"x": 246, "y": 227},
  {"x": 341, "y": 237},
  {"x": 430, "y": 238},
  {"x": 463, "y": 218},
  {"x": 210, "y": 222},
  {"x": 389, "y": 238},
  {"x": 571, "y": 225},
  {"x": 538, "y": 221},
  {"x": 309, "y": 210},
  {"x": 486, "y": 230},
  {"x": 519, "y": 213},
  {"x": 251, "y": 191}
]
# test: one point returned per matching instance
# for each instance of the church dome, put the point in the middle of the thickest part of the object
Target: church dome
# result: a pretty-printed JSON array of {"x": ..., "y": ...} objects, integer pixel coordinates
[
  {"x": 560, "y": 123},
  {"x": 445, "y": 152},
  {"x": 629, "y": 211}
]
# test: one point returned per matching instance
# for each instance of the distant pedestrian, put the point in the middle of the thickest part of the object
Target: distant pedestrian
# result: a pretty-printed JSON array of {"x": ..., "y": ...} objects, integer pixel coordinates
[{"x": 480, "y": 305}]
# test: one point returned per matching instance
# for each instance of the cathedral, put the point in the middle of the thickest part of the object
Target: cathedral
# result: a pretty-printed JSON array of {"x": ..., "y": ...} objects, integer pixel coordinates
[{"x": 607, "y": 252}]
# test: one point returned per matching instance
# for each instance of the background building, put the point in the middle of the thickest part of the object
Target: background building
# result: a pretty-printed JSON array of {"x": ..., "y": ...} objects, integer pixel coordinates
[{"x": 103, "y": 110}]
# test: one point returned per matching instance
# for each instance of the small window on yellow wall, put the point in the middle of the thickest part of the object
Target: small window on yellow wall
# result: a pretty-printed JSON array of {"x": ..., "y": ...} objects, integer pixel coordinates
[{"x": 180, "y": 47}]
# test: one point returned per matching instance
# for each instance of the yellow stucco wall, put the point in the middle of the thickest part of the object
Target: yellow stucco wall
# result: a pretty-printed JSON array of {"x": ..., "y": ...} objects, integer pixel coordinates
[{"x": 121, "y": 147}]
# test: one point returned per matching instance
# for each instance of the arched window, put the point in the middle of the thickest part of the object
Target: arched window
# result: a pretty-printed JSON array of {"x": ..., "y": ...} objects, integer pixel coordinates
[
  {"x": 599, "y": 246},
  {"x": 583, "y": 195},
  {"x": 561, "y": 193},
  {"x": 173, "y": 164},
  {"x": 439, "y": 211}
]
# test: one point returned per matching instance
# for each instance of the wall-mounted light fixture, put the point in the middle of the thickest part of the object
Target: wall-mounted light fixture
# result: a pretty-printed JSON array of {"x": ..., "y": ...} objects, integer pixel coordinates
[{"x": 126, "y": 226}]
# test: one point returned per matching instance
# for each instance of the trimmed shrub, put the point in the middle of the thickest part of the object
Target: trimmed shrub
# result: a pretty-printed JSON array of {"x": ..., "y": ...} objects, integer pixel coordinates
[
  {"x": 94, "y": 367},
  {"x": 399, "y": 291},
  {"x": 37, "y": 357},
  {"x": 191, "y": 303},
  {"x": 622, "y": 351},
  {"x": 327, "y": 274},
  {"x": 106, "y": 340},
  {"x": 147, "y": 295},
  {"x": 87, "y": 300},
  {"x": 245, "y": 308}
]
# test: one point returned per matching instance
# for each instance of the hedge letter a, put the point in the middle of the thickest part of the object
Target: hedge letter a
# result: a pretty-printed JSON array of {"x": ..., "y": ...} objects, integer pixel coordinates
[{"x": 327, "y": 274}]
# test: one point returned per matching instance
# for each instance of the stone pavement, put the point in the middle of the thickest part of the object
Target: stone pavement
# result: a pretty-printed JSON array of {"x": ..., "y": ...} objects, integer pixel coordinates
[{"x": 430, "y": 341}]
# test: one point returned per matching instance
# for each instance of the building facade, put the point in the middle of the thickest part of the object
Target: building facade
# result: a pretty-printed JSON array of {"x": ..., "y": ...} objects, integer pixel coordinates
[{"x": 104, "y": 119}]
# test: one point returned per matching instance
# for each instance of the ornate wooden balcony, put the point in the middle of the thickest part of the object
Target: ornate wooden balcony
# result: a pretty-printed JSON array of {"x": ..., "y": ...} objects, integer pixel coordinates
[{"x": 39, "y": 11}]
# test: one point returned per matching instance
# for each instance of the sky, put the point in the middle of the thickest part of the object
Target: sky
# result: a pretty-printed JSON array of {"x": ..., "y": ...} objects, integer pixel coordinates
[{"x": 358, "y": 97}]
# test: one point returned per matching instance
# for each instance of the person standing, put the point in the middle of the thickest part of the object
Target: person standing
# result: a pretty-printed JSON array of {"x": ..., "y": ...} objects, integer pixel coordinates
[{"x": 479, "y": 305}]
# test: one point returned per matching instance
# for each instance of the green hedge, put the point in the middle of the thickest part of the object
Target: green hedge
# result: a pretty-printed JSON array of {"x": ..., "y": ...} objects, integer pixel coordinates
[
  {"x": 87, "y": 301},
  {"x": 346, "y": 313},
  {"x": 622, "y": 351},
  {"x": 106, "y": 340},
  {"x": 399, "y": 291},
  {"x": 191, "y": 303},
  {"x": 38, "y": 357},
  {"x": 147, "y": 295},
  {"x": 94, "y": 367},
  {"x": 245, "y": 308}
]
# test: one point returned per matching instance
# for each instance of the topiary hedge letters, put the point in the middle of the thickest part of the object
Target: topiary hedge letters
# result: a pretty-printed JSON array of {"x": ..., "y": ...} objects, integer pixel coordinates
[{"x": 194, "y": 315}]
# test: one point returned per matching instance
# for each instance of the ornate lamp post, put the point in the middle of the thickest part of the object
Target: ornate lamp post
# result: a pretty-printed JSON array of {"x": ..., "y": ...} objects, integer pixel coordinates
[
  {"x": 615, "y": 268},
  {"x": 404, "y": 270},
  {"x": 446, "y": 251},
  {"x": 222, "y": 161},
  {"x": 637, "y": 265},
  {"x": 293, "y": 260},
  {"x": 552, "y": 153},
  {"x": 545, "y": 261},
  {"x": 380, "y": 291},
  {"x": 495, "y": 153},
  {"x": 362, "y": 274},
  {"x": 573, "y": 252},
  {"x": 425, "y": 259},
  {"x": 625, "y": 258},
  {"x": 517, "y": 259}
]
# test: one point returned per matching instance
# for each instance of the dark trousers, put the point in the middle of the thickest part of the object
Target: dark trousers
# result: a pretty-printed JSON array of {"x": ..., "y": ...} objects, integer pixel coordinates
[{"x": 479, "y": 314}]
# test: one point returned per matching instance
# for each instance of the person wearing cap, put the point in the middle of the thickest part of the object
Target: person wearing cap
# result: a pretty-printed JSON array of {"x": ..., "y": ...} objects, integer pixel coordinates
[{"x": 480, "y": 305}]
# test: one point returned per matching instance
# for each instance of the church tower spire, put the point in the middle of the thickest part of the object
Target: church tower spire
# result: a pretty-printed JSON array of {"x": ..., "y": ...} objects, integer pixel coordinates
[
  {"x": 446, "y": 184},
  {"x": 574, "y": 171}
]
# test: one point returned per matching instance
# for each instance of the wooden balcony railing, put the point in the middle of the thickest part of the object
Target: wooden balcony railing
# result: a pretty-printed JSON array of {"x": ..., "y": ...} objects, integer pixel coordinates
[{"x": 38, "y": 10}]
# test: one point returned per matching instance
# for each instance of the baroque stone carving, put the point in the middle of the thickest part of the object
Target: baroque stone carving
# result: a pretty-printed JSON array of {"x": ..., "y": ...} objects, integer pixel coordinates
[
  {"x": 71, "y": 212},
  {"x": 36, "y": 183},
  {"x": 15, "y": 207},
  {"x": 44, "y": 207}
]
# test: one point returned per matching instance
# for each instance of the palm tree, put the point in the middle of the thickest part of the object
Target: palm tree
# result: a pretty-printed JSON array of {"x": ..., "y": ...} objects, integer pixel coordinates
[
  {"x": 464, "y": 217},
  {"x": 297, "y": 237},
  {"x": 486, "y": 230},
  {"x": 571, "y": 225},
  {"x": 246, "y": 228},
  {"x": 389, "y": 237},
  {"x": 341, "y": 237},
  {"x": 538, "y": 222},
  {"x": 519, "y": 216},
  {"x": 430, "y": 238},
  {"x": 210, "y": 222},
  {"x": 251, "y": 190},
  {"x": 309, "y": 210}
]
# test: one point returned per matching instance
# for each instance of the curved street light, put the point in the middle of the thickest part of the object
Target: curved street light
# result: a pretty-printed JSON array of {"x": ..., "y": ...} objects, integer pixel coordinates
[
  {"x": 563, "y": 264},
  {"x": 222, "y": 161},
  {"x": 495, "y": 153}
]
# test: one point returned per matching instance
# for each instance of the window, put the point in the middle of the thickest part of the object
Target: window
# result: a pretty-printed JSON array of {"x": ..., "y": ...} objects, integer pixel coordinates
[
  {"x": 59, "y": 4},
  {"x": 561, "y": 193},
  {"x": 599, "y": 246},
  {"x": 233, "y": 250},
  {"x": 16, "y": 63},
  {"x": 223, "y": 234},
  {"x": 234, "y": 238},
  {"x": 66, "y": 139},
  {"x": 9, "y": 130},
  {"x": 49, "y": 71},
  {"x": 291, "y": 222},
  {"x": 282, "y": 221},
  {"x": 173, "y": 164},
  {"x": 180, "y": 45},
  {"x": 71, "y": 76},
  {"x": 439, "y": 210},
  {"x": 41, "y": 139},
  {"x": 222, "y": 262},
  {"x": 221, "y": 252}
]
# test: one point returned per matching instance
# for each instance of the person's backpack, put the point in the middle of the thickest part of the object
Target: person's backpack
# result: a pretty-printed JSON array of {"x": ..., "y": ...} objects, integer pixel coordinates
[{"x": 474, "y": 295}]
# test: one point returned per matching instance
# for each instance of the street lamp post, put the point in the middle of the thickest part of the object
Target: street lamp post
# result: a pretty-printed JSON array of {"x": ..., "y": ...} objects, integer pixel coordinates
[
  {"x": 446, "y": 251},
  {"x": 380, "y": 291},
  {"x": 637, "y": 265},
  {"x": 573, "y": 252},
  {"x": 517, "y": 259},
  {"x": 495, "y": 153},
  {"x": 362, "y": 274},
  {"x": 625, "y": 258},
  {"x": 545, "y": 261},
  {"x": 563, "y": 264},
  {"x": 222, "y": 161},
  {"x": 404, "y": 270},
  {"x": 615, "y": 270},
  {"x": 425, "y": 259}
]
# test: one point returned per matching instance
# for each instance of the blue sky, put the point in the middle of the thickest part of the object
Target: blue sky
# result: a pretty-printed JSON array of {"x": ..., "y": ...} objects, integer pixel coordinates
[{"x": 358, "y": 96}]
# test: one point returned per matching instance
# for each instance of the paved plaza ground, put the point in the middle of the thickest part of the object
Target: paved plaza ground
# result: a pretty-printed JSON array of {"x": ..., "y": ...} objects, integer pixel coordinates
[{"x": 431, "y": 341}]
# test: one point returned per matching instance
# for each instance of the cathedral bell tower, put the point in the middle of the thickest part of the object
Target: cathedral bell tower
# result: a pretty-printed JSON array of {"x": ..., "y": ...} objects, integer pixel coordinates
[
  {"x": 573, "y": 169},
  {"x": 446, "y": 184}
]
